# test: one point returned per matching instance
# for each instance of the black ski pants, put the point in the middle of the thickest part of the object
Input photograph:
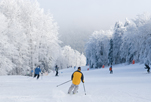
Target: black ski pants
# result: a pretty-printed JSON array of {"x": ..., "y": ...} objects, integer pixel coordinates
[
  {"x": 148, "y": 70},
  {"x": 111, "y": 72},
  {"x": 36, "y": 75},
  {"x": 56, "y": 73}
]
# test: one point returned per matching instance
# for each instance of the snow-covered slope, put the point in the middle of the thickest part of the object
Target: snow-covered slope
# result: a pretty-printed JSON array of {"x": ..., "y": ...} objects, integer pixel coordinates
[{"x": 128, "y": 83}]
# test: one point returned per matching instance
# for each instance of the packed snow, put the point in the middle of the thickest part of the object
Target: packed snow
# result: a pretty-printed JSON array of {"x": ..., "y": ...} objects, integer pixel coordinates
[{"x": 128, "y": 83}]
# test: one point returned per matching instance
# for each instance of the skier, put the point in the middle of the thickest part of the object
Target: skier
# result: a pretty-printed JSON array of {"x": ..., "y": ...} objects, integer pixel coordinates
[
  {"x": 37, "y": 71},
  {"x": 32, "y": 73},
  {"x": 28, "y": 72},
  {"x": 76, "y": 78},
  {"x": 148, "y": 68},
  {"x": 74, "y": 67},
  {"x": 110, "y": 69},
  {"x": 56, "y": 69}
]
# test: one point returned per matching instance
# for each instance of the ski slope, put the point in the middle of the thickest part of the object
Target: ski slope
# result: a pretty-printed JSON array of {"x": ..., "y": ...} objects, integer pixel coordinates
[{"x": 128, "y": 83}]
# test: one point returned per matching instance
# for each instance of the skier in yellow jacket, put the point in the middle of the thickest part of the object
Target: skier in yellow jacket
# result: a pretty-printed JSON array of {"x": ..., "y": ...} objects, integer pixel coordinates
[{"x": 76, "y": 78}]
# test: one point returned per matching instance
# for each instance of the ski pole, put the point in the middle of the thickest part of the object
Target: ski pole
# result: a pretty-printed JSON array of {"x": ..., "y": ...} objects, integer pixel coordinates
[
  {"x": 84, "y": 88},
  {"x": 41, "y": 75},
  {"x": 63, "y": 83}
]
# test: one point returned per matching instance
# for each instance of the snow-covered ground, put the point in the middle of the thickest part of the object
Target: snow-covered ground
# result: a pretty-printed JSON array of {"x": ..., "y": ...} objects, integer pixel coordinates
[{"x": 128, "y": 83}]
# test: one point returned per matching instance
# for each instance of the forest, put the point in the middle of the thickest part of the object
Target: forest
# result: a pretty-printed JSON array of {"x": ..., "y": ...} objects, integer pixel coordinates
[
  {"x": 131, "y": 40},
  {"x": 29, "y": 37}
]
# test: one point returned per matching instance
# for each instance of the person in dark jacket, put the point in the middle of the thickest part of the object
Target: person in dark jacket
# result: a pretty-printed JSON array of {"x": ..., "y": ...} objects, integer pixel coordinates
[
  {"x": 37, "y": 72},
  {"x": 56, "y": 69},
  {"x": 76, "y": 78},
  {"x": 148, "y": 68}
]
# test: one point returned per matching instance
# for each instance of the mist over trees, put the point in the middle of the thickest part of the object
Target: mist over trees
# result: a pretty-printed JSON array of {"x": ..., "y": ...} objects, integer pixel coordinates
[
  {"x": 131, "y": 41},
  {"x": 75, "y": 36},
  {"x": 29, "y": 37}
]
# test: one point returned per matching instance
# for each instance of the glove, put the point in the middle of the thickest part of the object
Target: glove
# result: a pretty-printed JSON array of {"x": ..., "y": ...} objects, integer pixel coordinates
[{"x": 83, "y": 81}]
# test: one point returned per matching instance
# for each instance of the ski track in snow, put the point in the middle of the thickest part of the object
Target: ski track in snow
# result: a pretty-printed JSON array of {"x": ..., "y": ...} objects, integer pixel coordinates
[{"x": 128, "y": 83}]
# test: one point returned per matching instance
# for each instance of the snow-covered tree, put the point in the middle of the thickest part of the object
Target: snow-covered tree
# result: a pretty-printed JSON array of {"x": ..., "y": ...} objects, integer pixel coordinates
[
  {"x": 131, "y": 41},
  {"x": 97, "y": 48},
  {"x": 29, "y": 36},
  {"x": 70, "y": 58},
  {"x": 134, "y": 39},
  {"x": 117, "y": 41},
  {"x": 110, "y": 54}
]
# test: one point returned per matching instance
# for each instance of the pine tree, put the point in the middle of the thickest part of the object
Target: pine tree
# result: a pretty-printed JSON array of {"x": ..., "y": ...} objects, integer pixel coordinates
[{"x": 110, "y": 55}]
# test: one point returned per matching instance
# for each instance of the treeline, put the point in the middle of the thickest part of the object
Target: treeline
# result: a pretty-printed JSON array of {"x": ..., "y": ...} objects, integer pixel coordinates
[
  {"x": 131, "y": 41},
  {"x": 29, "y": 37}
]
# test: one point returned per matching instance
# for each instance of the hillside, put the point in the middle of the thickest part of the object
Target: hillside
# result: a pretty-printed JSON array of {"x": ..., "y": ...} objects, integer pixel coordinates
[{"x": 128, "y": 83}]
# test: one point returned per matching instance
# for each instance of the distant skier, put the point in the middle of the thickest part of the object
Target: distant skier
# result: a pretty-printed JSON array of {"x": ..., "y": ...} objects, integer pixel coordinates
[
  {"x": 74, "y": 67},
  {"x": 148, "y": 68},
  {"x": 32, "y": 73},
  {"x": 76, "y": 78},
  {"x": 110, "y": 69},
  {"x": 37, "y": 71},
  {"x": 56, "y": 69},
  {"x": 27, "y": 72}
]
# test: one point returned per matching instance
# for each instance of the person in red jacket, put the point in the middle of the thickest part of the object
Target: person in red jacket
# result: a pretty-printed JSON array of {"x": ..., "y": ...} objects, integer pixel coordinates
[{"x": 110, "y": 69}]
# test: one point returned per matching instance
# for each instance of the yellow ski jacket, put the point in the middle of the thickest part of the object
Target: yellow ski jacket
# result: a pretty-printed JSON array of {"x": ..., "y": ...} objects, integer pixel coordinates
[{"x": 77, "y": 77}]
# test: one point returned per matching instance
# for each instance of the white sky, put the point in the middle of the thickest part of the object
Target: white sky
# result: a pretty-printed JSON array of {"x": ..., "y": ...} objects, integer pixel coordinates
[{"x": 98, "y": 14}]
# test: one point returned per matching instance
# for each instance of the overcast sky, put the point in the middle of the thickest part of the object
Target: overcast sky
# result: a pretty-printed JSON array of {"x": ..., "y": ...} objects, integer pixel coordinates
[{"x": 99, "y": 14}]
